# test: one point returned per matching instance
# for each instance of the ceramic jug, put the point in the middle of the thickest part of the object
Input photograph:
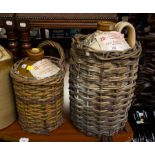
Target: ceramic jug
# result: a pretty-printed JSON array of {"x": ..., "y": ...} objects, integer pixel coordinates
[
  {"x": 109, "y": 37},
  {"x": 7, "y": 107},
  {"x": 36, "y": 66}
]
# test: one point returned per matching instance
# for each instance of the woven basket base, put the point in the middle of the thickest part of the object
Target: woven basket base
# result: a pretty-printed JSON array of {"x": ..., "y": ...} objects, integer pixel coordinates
[
  {"x": 45, "y": 131},
  {"x": 95, "y": 134}
]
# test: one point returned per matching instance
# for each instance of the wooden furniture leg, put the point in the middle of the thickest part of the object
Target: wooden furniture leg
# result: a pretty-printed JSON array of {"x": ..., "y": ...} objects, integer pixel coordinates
[
  {"x": 24, "y": 37},
  {"x": 13, "y": 44},
  {"x": 12, "y": 36}
]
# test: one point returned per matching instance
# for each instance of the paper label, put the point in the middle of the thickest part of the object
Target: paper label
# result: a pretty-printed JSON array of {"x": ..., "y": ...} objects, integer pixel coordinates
[
  {"x": 44, "y": 68},
  {"x": 23, "y": 65},
  {"x": 29, "y": 68},
  {"x": 112, "y": 41},
  {"x": 24, "y": 139},
  {"x": 22, "y": 24},
  {"x": 8, "y": 22}
]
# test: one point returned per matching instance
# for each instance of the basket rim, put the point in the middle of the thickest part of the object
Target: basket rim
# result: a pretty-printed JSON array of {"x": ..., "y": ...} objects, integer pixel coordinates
[{"x": 76, "y": 44}]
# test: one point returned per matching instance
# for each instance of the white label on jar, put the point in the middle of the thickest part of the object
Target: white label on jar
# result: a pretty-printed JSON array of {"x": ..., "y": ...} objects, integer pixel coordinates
[
  {"x": 112, "y": 41},
  {"x": 44, "y": 68},
  {"x": 22, "y": 24},
  {"x": 23, "y": 65},
  {"x": 8, "y": 22}
]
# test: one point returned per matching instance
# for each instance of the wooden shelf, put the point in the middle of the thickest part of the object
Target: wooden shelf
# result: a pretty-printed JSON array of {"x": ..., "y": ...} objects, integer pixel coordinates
[{"x": 66, "y": 133}]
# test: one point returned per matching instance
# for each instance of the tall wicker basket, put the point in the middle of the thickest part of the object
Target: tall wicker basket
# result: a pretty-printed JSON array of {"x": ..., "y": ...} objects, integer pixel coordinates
[
  {"x": 101, "y": 87},
  {"x": 40, "y": 102}
]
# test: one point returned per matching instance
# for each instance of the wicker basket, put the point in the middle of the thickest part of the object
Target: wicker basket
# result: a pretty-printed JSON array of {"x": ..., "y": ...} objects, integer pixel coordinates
[
  {"x": 40, "y": 102},
  {"x": 101, "y": 87}
]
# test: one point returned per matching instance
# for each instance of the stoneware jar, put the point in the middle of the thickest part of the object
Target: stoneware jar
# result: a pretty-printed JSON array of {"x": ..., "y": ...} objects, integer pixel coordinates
[
  {"x": 7, "y": 108},
  {"x": 109, "y": 37}
]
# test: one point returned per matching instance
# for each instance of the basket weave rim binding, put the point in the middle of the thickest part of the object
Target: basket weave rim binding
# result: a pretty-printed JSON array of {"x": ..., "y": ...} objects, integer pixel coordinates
[{"x": 77, "y": 43}]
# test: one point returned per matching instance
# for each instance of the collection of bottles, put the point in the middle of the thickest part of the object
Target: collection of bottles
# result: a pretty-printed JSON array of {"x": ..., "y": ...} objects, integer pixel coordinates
[{"x": 100, "y": 40}]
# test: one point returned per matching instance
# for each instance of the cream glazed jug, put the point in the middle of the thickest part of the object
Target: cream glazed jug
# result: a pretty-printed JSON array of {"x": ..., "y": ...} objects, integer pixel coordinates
[
  {"x": 109, "y": 37},
  {"x": 7, "y": 106}
]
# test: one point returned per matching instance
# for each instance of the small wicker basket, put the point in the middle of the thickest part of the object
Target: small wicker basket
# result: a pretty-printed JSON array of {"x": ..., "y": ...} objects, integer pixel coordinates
[
  {"x": 40, "y": 102},
  {"x": 101, "y": 87}
]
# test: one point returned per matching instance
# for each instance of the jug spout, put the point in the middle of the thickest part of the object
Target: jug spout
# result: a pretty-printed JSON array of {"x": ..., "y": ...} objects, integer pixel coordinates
[{"x": 106, "y": 26}]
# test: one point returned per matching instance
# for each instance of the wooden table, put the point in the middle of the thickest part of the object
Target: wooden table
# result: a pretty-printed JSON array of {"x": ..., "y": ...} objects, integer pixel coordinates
[{"x": 66, "y": 133}]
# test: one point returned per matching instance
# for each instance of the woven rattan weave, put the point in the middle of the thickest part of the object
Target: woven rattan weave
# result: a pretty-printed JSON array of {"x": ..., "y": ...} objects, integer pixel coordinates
[
  {"x": 101, "y": 87},
  {"x": 40, "y": 102}
]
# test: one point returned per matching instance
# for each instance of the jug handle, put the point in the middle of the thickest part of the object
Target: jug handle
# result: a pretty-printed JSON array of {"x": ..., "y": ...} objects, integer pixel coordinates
[
  {"x": 55, "y": 45},
  {"x": 131, "y": 32}
]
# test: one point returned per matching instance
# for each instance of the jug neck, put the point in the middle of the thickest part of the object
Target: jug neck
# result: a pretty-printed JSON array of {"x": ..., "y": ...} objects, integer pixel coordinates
[
  {"x": 106, "y": 26},
  {"x": 35, "y": 54}
]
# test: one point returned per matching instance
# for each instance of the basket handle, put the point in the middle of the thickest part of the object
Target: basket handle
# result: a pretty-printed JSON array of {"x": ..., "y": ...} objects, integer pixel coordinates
[
  {"x": 55, "y": 45},
  {"x": 131, "y": 32},
  {"x": 1, "y": 54}
]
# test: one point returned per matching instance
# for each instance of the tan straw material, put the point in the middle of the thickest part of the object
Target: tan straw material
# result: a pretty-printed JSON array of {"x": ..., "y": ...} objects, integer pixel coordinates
[{"x": 40, "y": 102}]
